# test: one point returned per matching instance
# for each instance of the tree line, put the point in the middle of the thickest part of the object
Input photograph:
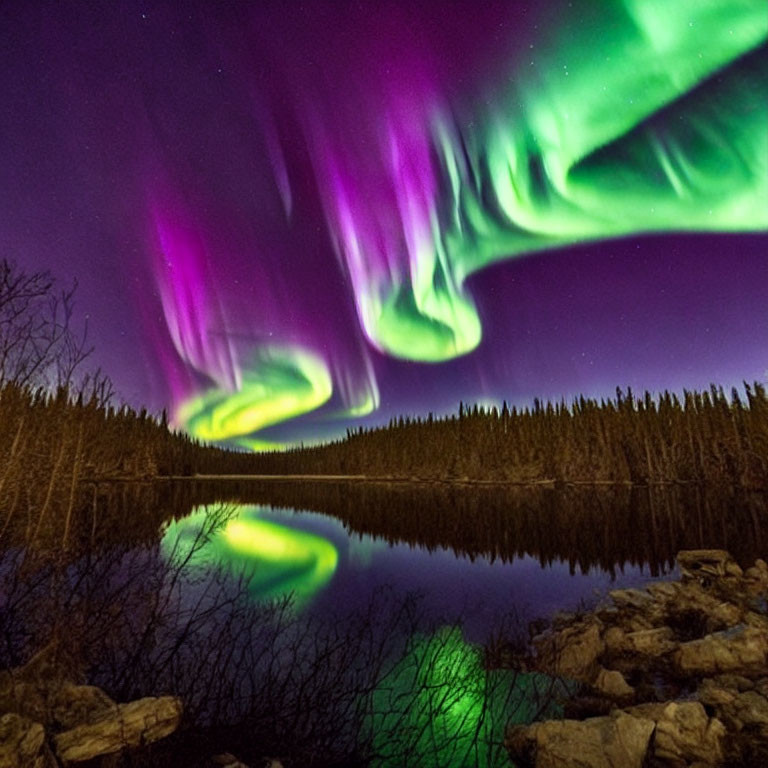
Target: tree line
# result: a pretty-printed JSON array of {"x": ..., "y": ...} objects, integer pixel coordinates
[
  {"x": 699, "y": 437},
  {"x": 54, "y": 443}
]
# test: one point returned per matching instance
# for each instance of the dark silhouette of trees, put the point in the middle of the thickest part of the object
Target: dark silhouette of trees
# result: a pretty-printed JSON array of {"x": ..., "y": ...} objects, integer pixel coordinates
[{"x": 705, "y": 437}]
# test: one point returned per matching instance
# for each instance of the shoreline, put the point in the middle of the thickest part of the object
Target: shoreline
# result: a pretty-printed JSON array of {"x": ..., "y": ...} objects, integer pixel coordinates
[
  {"x": 672, "y": 674},
  {"x": 399, "y": 480}
]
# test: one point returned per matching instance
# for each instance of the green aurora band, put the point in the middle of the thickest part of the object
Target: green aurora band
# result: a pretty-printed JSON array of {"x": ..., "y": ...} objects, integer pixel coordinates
[
  {"x": 629, "y": 117},
  {"x": 280, "y": 384},
  {"x": 277, "y": 560}
]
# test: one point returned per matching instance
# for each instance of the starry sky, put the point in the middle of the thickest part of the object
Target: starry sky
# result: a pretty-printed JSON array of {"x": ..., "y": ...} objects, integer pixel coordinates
[{"x": 290, "y": 218}]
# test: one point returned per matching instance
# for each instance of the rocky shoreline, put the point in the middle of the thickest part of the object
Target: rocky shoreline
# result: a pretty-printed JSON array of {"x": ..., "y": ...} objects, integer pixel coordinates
[
  {"x": 49, "y": 718},
  {"x": 673, "y": 675}
]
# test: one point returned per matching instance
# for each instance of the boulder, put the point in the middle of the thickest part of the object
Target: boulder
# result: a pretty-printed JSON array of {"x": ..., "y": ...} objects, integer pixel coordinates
[
  {"x": 706, "y": 564},
  {"x": 22, "y": 697},
  {"x": 717, "y": 695},
  {"x": 73, "y": 705},
  {"x": 650, "y": 710},
  {"x": 615, "y": 639},
  {"x": 637, "y": 599},
  {"x": 684, "y": 733},
  {"x": 572, "y": 652},
  {"x": 616, "y": 741},
  {"x": 665, "y": 590},
  {"x": 650, "y": 642},
  {"x": 694, "y": 599},
  {"x": 751, "y": 708},
  {"x": 736, "y": 705},
  {"x": 22, "y": 743},
  {"x": 757, "y": 620},
  {"x": 755, "y": 574},
  {"x": 739, "y": 649},
  {"x": 124, "y": 726},
  {"x": 612, "y": 684}
]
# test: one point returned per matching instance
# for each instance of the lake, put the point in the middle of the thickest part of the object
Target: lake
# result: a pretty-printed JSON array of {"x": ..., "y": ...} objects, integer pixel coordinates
[{"x": 344, "y": 624}]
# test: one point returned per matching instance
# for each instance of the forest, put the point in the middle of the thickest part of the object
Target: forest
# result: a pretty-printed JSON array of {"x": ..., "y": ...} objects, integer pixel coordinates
[{"x": 701, "y": 437}]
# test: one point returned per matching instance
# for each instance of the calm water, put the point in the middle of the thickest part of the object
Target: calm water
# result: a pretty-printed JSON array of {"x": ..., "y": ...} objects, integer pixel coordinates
[{"x": 330, "y": 569}]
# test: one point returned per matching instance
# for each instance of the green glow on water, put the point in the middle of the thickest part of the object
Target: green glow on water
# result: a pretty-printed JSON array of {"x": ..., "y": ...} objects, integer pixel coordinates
[
  {"x": 440, "y": 707},
  {"x": 277, "y": 559}
]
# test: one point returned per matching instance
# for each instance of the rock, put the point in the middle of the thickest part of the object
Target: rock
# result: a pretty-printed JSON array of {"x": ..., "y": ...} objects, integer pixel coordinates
[
  {"x": 616, "y": 741},
  {"x": 757, "y": 620},
  {"x": 694, "y": 604},
  {"x": 612, "y": 684},
  {"x": 713, "y": 624},
  {"x": 573, "y": 652},
  {"x": 705, "y": 564},
  {"x": 714, "y": 694},
  {"x": 651, "y": 710},
  {"x": 563, "y": 619},
  {"x": 684, "y": 734},
  {"x": 738, "y": 709},
  {"x": 754, "y": 574},
  {"x": 735, "y": 650},
  {"x": 630, "y": 598},
  {"x": 752, "y": 708},
  {"x": 638, "y": 623},
  {"x": 22, "y": 697},
  {"x": 637, "y": 609},
  {"x": 651, "y": 642},
  {"x": 737, "y": 682},
  {"x": 664, "y": 590},
  {"x": 615, "y": 639},
  {"x": 73, "y": 705},
  {"x": 227, "y": 760},
  {"x": 127, "y": 725},
  {"x": 22, "y": 743}
]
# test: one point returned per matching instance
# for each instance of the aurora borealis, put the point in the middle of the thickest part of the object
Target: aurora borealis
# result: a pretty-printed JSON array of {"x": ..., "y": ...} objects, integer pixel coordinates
[{"x": 287, "y": 223}]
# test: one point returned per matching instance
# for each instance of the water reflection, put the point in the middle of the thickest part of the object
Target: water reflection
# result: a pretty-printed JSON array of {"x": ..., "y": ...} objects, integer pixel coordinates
[
  {"x": 328, "y": 570},
  {"x": 605, "y": 528},
  {"x": 277, "y": 560}
]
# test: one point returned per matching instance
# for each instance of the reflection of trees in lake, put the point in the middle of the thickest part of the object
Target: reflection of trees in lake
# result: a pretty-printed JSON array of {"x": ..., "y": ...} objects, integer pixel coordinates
[{"x": 585, "y": 527}]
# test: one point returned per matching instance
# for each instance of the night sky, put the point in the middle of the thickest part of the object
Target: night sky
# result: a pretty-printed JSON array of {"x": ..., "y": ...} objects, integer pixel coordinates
[{"x": 289, "y": 218}]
